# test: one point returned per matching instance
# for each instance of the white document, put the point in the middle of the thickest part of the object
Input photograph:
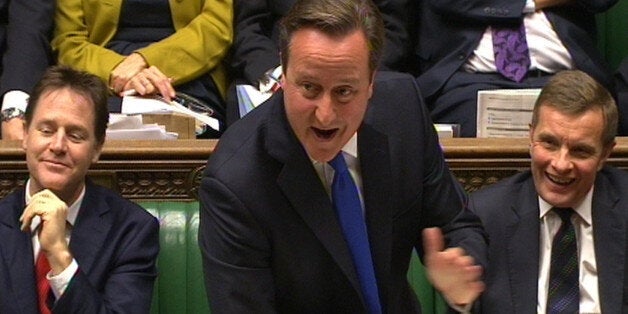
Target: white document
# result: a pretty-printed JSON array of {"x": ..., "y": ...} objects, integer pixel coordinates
[
  {"x": 131, "y": 127},
  {"x": 505, "y": 112},
  {"x": 136, "y": 105},
  {"x": 250, "y": 97}
]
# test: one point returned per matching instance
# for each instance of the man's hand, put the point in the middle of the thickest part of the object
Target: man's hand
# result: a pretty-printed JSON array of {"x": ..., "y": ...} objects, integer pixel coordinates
[
  {"x": 450, "y": 270},
  {"x": 13, "y": 129},
  {"x": 53, "y": 213},
  {"x": 125, "y": 71}
]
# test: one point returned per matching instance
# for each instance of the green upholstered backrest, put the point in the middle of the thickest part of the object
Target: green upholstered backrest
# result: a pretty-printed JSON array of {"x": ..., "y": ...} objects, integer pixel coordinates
[
  {"x": 613, "y": 33},
  {"x": 180, "y": 289}
]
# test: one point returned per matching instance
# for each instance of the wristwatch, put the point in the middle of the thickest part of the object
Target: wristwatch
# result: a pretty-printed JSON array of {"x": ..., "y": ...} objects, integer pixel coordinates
[{"x": 10, "y": 113}]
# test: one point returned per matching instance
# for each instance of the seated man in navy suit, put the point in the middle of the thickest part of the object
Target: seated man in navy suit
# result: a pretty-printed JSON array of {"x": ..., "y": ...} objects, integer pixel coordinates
[
  {"x": 568, "y": 190},
  {"x": 93, "y": 251},
  {"x": 459, "y": 51},
  {"x": 338, "y": 141}
]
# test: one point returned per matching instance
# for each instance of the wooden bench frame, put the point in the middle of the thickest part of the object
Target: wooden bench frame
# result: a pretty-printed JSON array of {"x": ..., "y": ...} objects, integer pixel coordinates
[{"x": 171, "y": 170}]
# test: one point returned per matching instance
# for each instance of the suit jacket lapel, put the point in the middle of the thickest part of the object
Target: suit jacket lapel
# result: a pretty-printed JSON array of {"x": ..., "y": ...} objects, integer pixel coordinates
[
  {"x": 304, "y": 190},
  {"x": 377, "y": 184},
  {"x": 609, "y": 234},
  {"x": 90, "y": 229},
  {"x": 523, "y": 249},
  {"x": 17, "y": 253}
]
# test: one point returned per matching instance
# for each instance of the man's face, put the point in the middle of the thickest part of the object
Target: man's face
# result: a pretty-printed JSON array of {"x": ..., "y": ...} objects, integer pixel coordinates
[
  {"x": 327, "y": 85},
  {"x": 566, "y": 153},
  {"x": 60, "y": 143}
]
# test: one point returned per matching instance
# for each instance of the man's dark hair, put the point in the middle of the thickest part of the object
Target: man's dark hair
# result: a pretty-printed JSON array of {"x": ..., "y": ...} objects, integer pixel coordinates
[
  {"x": 335, "y": 18},
  {"x": 85, "y": 84}
]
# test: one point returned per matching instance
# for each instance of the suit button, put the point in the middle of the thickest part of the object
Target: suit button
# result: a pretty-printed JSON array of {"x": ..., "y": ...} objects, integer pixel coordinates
[{"x": 460, "y": 56}]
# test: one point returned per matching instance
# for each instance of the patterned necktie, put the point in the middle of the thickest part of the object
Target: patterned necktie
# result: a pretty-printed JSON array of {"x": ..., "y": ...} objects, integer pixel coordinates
[
  {"x": 563, "y": 295},
  {"x": 512, "y": 58},
  {"x": 349, "y": 211},
  {"x": 42, "y": 267}
]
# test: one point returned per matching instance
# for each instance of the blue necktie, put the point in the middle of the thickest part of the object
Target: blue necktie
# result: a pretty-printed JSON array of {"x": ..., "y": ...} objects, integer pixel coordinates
[
  {"x": 563, "y": 294},
  {"x": 344, "y": 194}
]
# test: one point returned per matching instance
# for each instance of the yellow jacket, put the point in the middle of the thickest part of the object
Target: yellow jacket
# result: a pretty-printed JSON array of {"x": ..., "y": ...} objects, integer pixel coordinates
[{"x": 202, "y": 39}]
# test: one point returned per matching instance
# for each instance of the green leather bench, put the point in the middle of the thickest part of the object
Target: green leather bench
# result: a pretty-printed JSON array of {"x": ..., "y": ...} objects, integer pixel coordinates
[
  {"x": 180, "y": 288},
  {"x": 613, "y": 39}
]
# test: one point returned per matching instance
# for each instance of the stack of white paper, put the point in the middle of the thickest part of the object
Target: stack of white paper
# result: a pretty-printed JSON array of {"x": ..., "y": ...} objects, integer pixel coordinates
[
  {"x": 505, "y": 112},
  {"x": 130, "y": 127}
]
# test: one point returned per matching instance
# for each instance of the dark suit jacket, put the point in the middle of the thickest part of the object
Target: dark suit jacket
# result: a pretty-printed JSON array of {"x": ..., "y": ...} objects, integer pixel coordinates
[
  {"x": 510, "y": 213},
  {"x": 268, "y": 233},
  {"x": 115, "y": 243},
  {"x": 621, "y": 85},
  {"x": 449, "y": 32},
  {"x": 25, "y": 30},
  {"x": 255, "y": 47}
]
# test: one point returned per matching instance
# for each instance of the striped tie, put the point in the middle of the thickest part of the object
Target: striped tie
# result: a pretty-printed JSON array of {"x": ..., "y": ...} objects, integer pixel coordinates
[{"x": 563, "y": 295}]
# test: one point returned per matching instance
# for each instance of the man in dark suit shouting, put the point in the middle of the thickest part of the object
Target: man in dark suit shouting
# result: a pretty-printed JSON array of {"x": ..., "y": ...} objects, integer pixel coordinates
[
  {"x": 93, "y": 251},
  {"x": 314, "y": 201},
  {"x": 569, "y": 201}
]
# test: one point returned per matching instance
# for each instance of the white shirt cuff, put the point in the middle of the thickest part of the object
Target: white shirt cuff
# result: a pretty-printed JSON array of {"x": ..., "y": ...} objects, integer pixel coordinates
[
  {"x": 15, "y": 99},
  {"x": 60, "y": 282}
]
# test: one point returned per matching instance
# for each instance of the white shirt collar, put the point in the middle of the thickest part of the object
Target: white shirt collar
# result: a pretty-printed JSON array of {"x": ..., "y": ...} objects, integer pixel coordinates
[
  {"x": 72, "y": 210},
  {"x": 583, "y": 209}
]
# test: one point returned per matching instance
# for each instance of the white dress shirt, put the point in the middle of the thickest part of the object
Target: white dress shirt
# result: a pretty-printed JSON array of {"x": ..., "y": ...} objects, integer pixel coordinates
[
  {"x": 15, "y": 99},
  {"x": 60, "y": 282},
  {"x": 350, "y": 153},
  {"x": 550, "y": 222},
  {"x": 547, "y": 52}
]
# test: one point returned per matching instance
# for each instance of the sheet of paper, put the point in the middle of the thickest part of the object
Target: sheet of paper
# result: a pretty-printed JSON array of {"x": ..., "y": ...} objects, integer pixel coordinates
[
  {"x": 147, "y": 132},
  {"x": 131, "y": 127},
  {"x": 505, "y": 112},
  {"x": 136, "y": 104},
  {"x": 249, "y": 97}
]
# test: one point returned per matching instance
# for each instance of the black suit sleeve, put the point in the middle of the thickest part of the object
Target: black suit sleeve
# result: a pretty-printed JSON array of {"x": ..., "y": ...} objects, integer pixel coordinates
[
  {"x": 27, "y": 52},
  {"x": 395, "y": 14},
  {"x": 254, "y": 51},
  {"x": 621, "y": 85},
  {"x": 236, "y": 254}
]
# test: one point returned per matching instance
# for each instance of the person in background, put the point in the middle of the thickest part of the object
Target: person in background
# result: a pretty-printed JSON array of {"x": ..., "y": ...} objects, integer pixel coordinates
[
  {"x": 92, "y": 250},
  {"x": 25, "y": 53},
  {"x": 558, "y": 232},
  {"x": 314, "y": 201},
  {"x": 501, "y": 44},
  {"x": 255, "y": 50},
  {"x": 150, "y": 47}
]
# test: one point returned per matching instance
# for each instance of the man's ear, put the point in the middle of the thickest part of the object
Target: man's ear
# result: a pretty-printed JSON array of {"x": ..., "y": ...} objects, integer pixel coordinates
[{"x": 605, "y": 154}]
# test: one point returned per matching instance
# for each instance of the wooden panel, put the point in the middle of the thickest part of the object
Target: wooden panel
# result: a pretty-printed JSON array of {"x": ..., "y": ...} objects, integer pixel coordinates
[{"x": 171, "y": 170}]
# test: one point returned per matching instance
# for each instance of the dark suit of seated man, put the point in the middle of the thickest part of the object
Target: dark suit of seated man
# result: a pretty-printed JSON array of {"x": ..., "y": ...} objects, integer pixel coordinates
[
  {"x": 457, "y": 57},
  {"x": 572, "y": 134},
  {"x": 621, "y": 85},
  {"x": 272, "y": 239},
  {"x": 93, "y": 251}
]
